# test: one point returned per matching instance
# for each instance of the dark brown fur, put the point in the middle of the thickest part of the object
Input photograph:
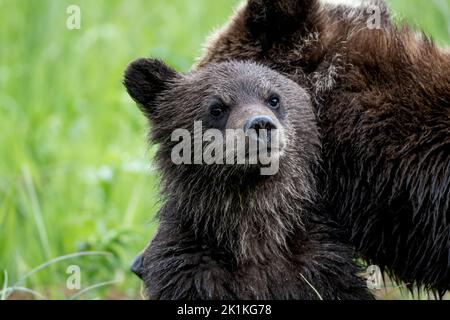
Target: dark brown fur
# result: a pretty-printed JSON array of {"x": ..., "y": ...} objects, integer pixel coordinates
[
  {"x": 227, "y": 232},
  {"x": 382, "y": 97}
]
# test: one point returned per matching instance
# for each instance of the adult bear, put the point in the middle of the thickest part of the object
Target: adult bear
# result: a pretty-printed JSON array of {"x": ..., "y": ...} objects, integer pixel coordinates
[{"x": 382, "y": 96}]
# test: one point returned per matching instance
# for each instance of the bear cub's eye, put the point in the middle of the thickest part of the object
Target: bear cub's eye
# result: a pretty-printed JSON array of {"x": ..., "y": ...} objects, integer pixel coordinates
[
  {"x": 217, "y": 111},
  {"x": 274, "y": 101}
]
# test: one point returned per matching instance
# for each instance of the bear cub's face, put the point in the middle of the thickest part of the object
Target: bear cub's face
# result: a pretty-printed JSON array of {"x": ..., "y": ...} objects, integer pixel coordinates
[{"x": 232, "y": 113}]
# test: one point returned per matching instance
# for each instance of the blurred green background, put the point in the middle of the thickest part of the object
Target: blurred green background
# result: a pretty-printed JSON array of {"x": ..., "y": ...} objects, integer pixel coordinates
[{"x": 75, "y": 171}]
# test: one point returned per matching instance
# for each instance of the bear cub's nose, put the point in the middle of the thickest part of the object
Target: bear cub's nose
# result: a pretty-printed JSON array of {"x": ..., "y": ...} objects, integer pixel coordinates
[{"x": 258, "y": 123}]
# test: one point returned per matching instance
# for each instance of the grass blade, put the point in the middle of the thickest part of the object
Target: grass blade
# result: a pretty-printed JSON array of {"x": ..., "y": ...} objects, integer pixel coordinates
[
  {"x": 95, "y": 286},
  {"x": 51, "y": 262},
  {"x": 309, "y": 284},
  {"x": 36, "y": 210},
  {"x": 5, "y": 286},
  {"x": 62, "y": 258}
]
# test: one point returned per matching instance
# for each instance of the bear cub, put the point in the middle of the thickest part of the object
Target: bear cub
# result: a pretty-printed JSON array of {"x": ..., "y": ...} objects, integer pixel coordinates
[{"x": 226, "y": 230}]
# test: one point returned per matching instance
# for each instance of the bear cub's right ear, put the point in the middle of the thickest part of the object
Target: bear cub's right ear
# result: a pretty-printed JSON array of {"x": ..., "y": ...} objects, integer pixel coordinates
[{"x": 145, "y": 79}]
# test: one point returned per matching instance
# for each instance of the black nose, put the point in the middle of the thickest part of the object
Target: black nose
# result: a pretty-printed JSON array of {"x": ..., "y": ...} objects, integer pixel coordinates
[
  {"x": 136, "y": 267},
  {"x": 260, "y": 123}
]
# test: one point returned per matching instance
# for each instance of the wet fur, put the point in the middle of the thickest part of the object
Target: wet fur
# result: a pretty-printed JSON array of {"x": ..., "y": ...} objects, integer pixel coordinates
[
  {"x": 382, "y": 98},
  {"x": 226, "y": 232}
]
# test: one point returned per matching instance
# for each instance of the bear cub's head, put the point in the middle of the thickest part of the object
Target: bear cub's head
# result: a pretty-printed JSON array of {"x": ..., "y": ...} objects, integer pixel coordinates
[{"x": 238, "y": 115}]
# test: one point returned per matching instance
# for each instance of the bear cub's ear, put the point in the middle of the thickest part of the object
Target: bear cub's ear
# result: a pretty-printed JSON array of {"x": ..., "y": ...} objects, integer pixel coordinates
[{"x": 145, "y": 79}]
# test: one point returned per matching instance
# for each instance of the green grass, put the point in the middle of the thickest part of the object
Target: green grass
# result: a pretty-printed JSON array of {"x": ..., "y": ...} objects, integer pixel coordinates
[
  {"x": 75, "y": 172},
  {"x": 431, "y": 16}
]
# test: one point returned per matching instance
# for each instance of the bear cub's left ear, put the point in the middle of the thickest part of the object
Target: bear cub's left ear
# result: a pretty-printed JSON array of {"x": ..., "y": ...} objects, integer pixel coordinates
[{"x": 145, "y": 79}]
